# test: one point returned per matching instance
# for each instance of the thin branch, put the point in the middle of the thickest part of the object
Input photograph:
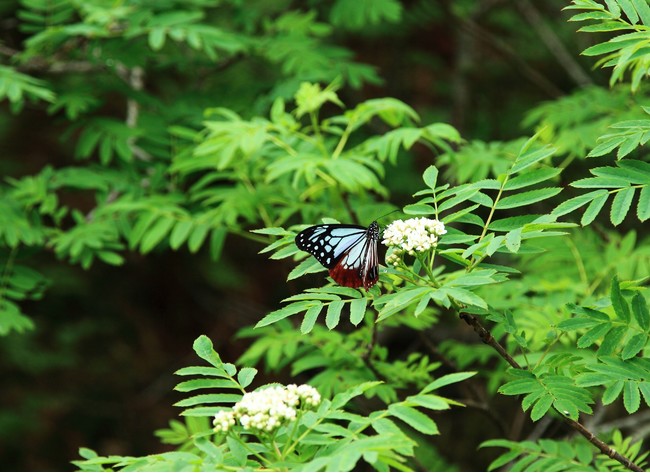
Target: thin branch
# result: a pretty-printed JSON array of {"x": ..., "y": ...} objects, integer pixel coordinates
[
  {"x": 553, "y": 43},
  {"x": 530, "y": 73},
  {"x": 49, "y": 65},
  {"x": 487, "y": 338},
  {"x": 135, "y": 78}
]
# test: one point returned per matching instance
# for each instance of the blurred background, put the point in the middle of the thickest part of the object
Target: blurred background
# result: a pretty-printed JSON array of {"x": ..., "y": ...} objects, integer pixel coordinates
[{"x": 97, "y": 369}]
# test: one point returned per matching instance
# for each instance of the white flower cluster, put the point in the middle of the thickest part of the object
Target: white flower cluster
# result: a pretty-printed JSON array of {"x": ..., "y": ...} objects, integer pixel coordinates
[
  {"x": 411, "y": 236},
  {"x": 223, "y": 420},
  {"x": 267, "y": 409}
]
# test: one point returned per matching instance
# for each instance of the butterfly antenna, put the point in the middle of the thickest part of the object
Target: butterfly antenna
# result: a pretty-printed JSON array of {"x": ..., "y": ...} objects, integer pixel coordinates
[{"x": 391, "y": 212}]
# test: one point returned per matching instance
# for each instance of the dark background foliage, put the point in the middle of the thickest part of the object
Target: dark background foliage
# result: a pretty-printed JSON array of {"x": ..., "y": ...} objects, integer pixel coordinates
[{"x": 97, "y": 368}]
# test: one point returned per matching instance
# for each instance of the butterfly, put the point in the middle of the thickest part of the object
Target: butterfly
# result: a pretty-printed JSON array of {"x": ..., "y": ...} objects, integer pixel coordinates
[{"x": 348, "y": 251}]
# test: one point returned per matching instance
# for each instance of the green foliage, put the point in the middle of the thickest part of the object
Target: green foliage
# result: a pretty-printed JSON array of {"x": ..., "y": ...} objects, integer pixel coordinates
[
  {"x": 19, "y": 88},
  {"x": 624, "y": 180},
  {"x": 355, "y": 14},
  {"x": 624, "y": 52},
  {"x": 331, "y": 353},
  {"x": 632, "y": 134},
  {"x": 18, "y": 283},
  {"x": 454, "y": 287},
  {"x": 575, "y": 122},
  {"x": 559, "y": 381},
  {"x": 330, "y": 437},
  {"x": 566, "y": 455},
  {"x": 196, "y": 124},
  {"x": 546, "y": 391}
]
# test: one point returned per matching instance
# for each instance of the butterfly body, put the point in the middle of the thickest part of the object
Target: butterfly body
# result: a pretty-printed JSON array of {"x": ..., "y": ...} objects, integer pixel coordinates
[{"x": 348, "y": 251}]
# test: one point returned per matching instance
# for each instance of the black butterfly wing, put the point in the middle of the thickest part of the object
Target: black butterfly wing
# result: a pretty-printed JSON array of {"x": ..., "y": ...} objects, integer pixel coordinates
[
  {"x": 348, "y": 251},
  {"x": 327, "y": 243}
]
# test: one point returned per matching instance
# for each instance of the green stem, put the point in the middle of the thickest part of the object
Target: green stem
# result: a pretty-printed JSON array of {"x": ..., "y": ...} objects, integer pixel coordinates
[
  {"x": 428, "y": 270},
  {"x": 313, "y": 117},
  {"x": 281, "y": 144},
  {"x": 546, "y": 352},
  {"x": 579, "y": 263},
  {"x": 292, "y": 435},
  {"x": 307, "y": 431},
  {"x": 475, "y": 261},
  {"x": 238, "y": 439},
  {"x": 342, "y": 142}
]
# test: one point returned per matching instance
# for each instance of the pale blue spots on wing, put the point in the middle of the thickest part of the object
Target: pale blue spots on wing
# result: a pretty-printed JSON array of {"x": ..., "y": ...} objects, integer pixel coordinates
[{"x": 342, "y": 244}]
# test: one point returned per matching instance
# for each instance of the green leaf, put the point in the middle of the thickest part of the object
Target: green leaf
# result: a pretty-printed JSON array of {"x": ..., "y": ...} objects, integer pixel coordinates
[
  {"x": 502, "y": 459},
  {"x": 594, "y": 334},
  {"x": 202, "y": 411},
  {"x": 447, "y": 379},
  {"x": 519, "y": 386},
  {"x": 87, "y": 453},
  {"x": 631, "y": 396},
  {"x": 157, "y": 38},
  {"x": 643, "y": 207},
  {"x": 576, "y": 323},
  {"x": 399, "y": 300},
  {"x": 358, "y": 310},
  {"x": 110, "y": 257},
  {"x": 209, "y": 448},
  {"x": 156, "y": 233},
  {"x": 275, "y": 231},
  {"x": 592, "y": 379},
  {"x": 338, "y": 290},
  {"x": 203, "y": 371},
  {"x": 343, "y": 398},
  {"x": 283, "y": 313},
  {"x": 531, "y": 157},
  {"x": 311, "y": 97},
  {"x": 419, "y": 209},
  {"x": 466, "y": 297},
  {"x": 634, "y": 345},
  {"x": 307, "y": 266},
  {"x": 414, "y": 418},
  {"x": 640, "y": 311},
  {"x": 527, "y": 198},
  {"x": 205, "y": 383},
  {"x": 513, "y": 240},
  {"x": 180, "y": 233},
  {"x": 644, "y": 387},
  {"x": 611, "y": 341},
  {"x": 541, "y": 407},
  {"x": 197, "y": 237},
  {"x": 574, "y": 203},
  {"x": 566, "y": 408},
  {"x": 202, "y": 399},
  {"x": 612, "y": 392},
  {"x": 512, "y": 223},
  {"x": 429, "y": 401},
  {"x": 594, "y": 209},
  {"x": 629, "y": 10},
  {"x": 310, "y": 318},
  {"x": 246, "y": 376},
  {"x": 203, "y": 347},
  {"x": 643, "y": 10},
  {"x": 430, "y": 176},
  {"x": 601, "y": 182},
  {"x": 530, "y": 178},
  {"x": 333, "y": 314},
  {"x": 621, "y": 205},
  {"x": 619, "y": 303}
]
